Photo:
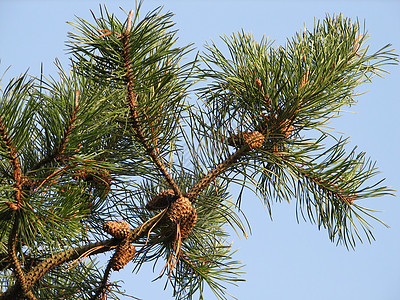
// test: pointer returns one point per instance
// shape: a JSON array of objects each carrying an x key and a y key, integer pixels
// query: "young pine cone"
[
  {"x": 118, "y": 229},
  {"x": 286, "y": 128},
  {"x": 100, "y": 178}
]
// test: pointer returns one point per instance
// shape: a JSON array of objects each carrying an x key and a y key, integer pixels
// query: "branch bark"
[
  {"x": 19, "y": 274},
  {"x": 12, "y": 238},
  {"x": 195, "y": 191}
]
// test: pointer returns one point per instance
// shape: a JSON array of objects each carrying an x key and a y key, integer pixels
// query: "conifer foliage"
[{"x": 116, "y": 156}]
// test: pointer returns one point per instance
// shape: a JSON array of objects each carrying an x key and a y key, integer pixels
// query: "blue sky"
[{"x": 284, "y": 259}]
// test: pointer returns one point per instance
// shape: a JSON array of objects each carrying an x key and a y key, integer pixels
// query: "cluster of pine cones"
[
  {"x": 267, "y": 124},
  {"x": 180, "y": 213},
  {"x": 125, "y": 251},
  {"x": 177, "y": 223}
]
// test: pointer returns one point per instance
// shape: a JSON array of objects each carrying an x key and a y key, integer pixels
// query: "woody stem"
[
  {"x": 133, "y": 108},
  {"x": 215, "y": 172},
  {"x": 21, "y": 279}
]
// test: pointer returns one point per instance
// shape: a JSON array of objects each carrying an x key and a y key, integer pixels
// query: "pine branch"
[
  {"x": 17, "y": 176},
  {"x": 14, "y": 161},
  {"x": 101, "y": 290},
  {"x": 65, "y": 256},
  {"x": 56, "y": 155},
  {"x": 204, "y": 182},
  {"x": 46, "y": 265},
  {"x": 268, "y": 94},
  {"x": 55, "y": 260},
  {"x": 133, "y": 108},
  {"x": 21, "y": 279},
  {"x": 326, "y": 187}
]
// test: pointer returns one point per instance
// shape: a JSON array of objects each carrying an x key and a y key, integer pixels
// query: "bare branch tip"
[
  {"x": 76, "y": 99},
  {"x": 129, "y": 23}
]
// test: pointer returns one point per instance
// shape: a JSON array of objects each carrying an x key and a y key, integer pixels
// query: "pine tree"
[{"x": 116, "y": 156}]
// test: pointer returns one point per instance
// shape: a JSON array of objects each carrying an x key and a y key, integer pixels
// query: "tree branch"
[
  {"x": 64, "y": 140},
  {"x": 214, "y": 173},
  {"x": 55, "y": 260},
  {"x": 326, "y": 186},
  {"x": 133, "y": 108},
  {"x": 19, "y": 274},
  {"x": 102, "y": 288},
  {"x": 14, "y": 161},
  {"x": 51, "y": 262},
  {"x": 12, "y": 238}
]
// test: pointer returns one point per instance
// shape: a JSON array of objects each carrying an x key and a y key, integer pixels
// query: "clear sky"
[{"x": 284, "y": 260}]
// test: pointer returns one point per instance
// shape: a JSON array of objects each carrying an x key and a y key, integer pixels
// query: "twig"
[
  {"x": 101, "y": 289},
  {"x": 14, "y": 161},
  {"x": 82, "y": 257},
  {"x": 147, "y": 226},
  {"x": 324, "y": 185},
  {"x": 52, "y": 174},
  {"x": 217, "y": 170},
  {"x": 133, "y": 108},
  {"x": 56, "y": 155},
  {"x": 129, "y": 23}
]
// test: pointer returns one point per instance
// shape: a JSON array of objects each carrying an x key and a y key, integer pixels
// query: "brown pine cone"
[
  {"x": 118, "y": 229},
  {"x": 161, "y": 200},
  {"x": 124, "y": 253},
  {"x": 183, "y": 213},
  {"x": 179, "y": 209},
  {"x": 254, "y": 139},
  {"x": 187, "y": 224}
]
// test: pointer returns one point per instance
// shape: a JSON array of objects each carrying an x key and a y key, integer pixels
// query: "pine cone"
[
  {"x": 161, "y": 200},
  {"x": 100, "y": 177},
  {"x": 27, "y": 184},
  {"x": 180, "y": 212},
  {"x": 258, "y": 83},
  {"x": 11, "y": 205},
  {"x": 124, "y": 253},
  {"x": 179, "y": 209},
  {"x": 187, "y": 224},
  {"x": 118, "y": 229},
  {"x": 286, "y": 128},
  {"x": 254, "y": 139}
]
